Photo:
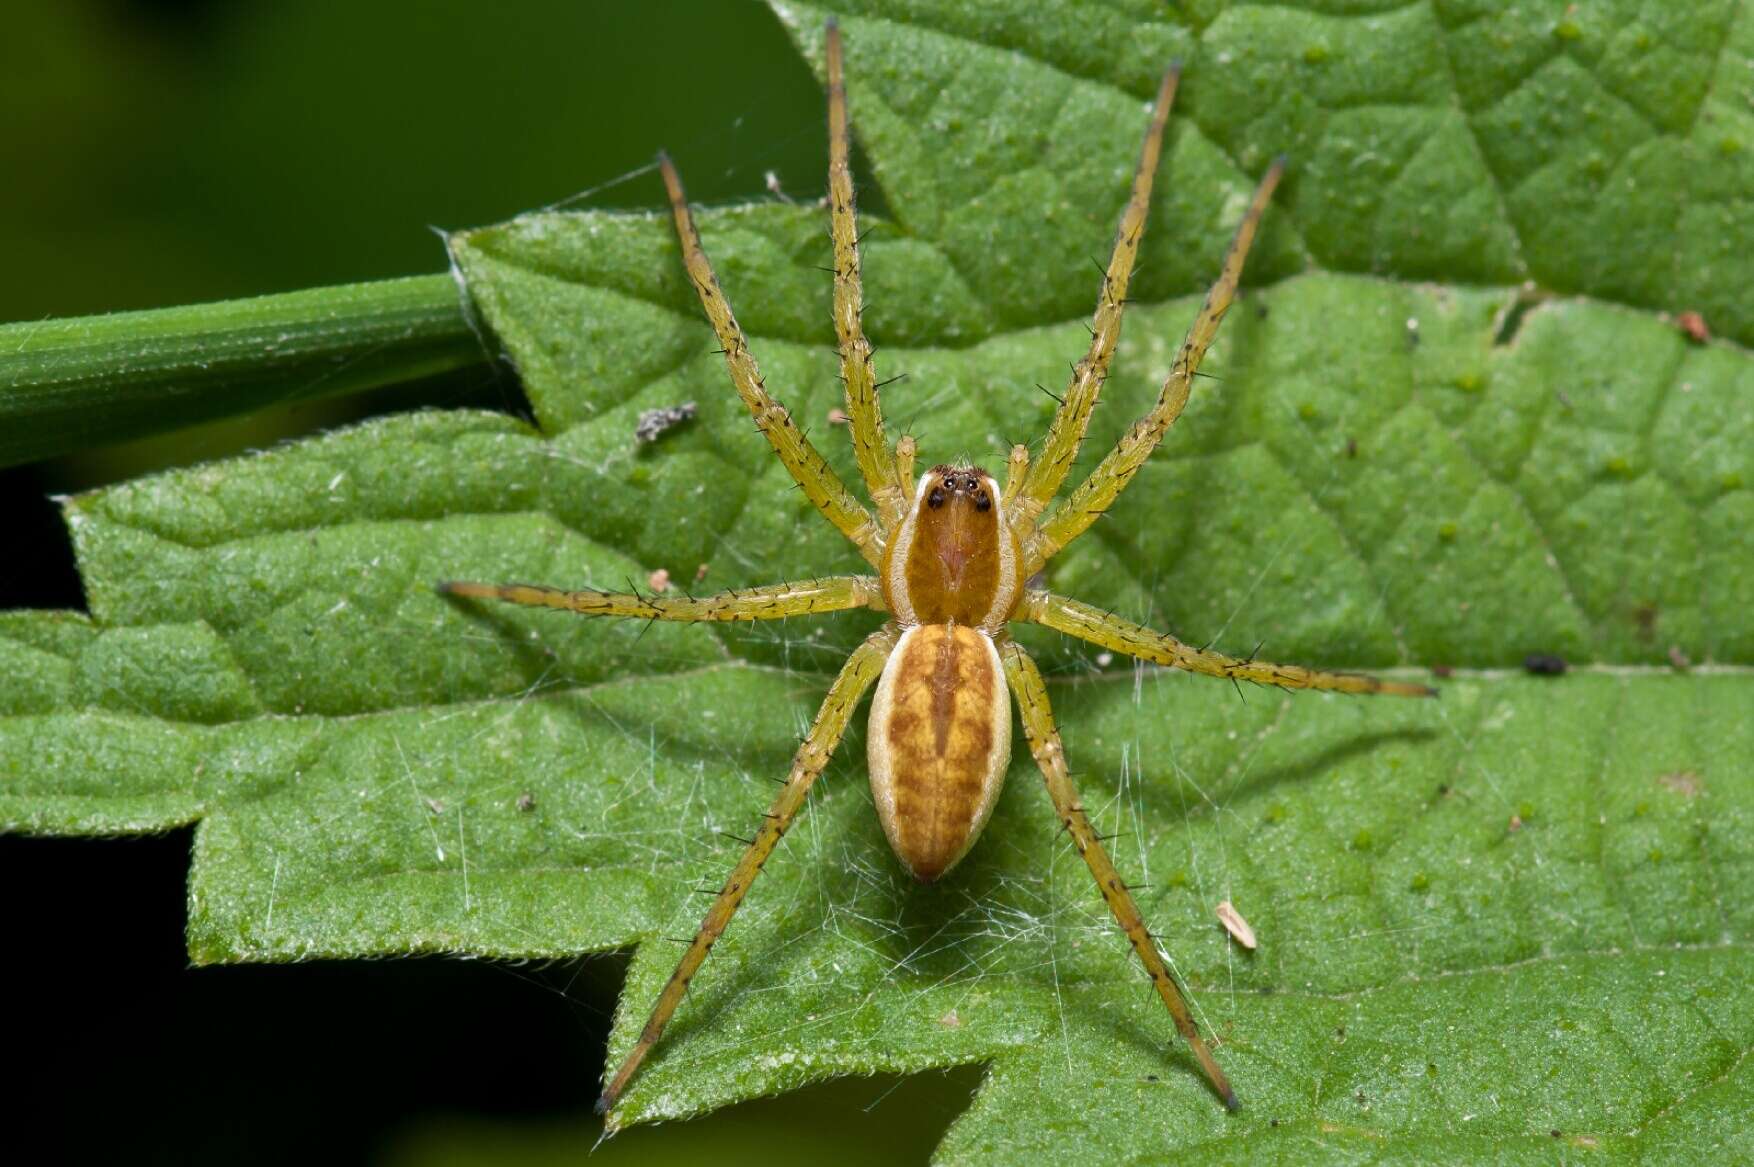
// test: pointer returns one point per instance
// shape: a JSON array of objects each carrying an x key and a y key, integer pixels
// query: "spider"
[{"x": 952, "y": 555}]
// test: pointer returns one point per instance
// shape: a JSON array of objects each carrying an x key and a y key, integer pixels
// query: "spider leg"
[
  {"x": 1098, "y": 492},
  {"x": 772, "y": 602},
  {"x": 1072, "y": 418},
  {"x": 861, "y": 669},
  {"x": 1044, "y": 744},
  {"x": 1110, "y": 631},
  {"x": 870, "y": 446},
  {"x": 808, "y": 468}
]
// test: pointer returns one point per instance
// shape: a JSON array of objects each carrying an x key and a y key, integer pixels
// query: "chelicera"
[{"x": 951, "y": 556}]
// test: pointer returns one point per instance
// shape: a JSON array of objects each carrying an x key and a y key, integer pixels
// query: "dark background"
[{"x": 158, "y": 153}]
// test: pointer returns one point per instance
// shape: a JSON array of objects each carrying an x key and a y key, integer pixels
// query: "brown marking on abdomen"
[{"x": 939, "y": 742}]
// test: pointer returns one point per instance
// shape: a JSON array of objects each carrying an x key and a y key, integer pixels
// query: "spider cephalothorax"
[{"x": 952, "y": 557}]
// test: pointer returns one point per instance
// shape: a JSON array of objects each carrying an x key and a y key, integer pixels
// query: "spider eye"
[
  {"x": 936, "y": 498},
  {"x": 982, "y": 502}
]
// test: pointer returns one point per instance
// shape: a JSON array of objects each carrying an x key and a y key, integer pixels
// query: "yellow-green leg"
[
  {"x": 1110, "y": 631},
  {"x": 1044, "y": 744},
  {"x": 1098, "y": 492},
  {"x": 1066, "y": 434},
  {"x": 870, "y": 446},
  {"x": 857, "y": 675},
  {"x": 815, "y": 476},
  {"x": 772, "y": 602}
]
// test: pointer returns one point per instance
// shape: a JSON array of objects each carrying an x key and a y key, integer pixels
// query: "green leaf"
[{"x": 1514, "y": 923}]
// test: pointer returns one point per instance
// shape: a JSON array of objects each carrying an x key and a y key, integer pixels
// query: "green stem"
[{"x": 72, "y": 384}]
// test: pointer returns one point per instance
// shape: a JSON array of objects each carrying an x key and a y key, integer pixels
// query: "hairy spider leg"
[
  {"x": 835, "y": 593},
  {"x": 870, "y": 447},
  {"x": 1050, "y": 756},
  {"x": 1075, "y": 618},
  {"x": 1105, "y": 483},
  {"x": 1066, "y": 433},
  {"x": 857, "y": 675},
  {"x": 808, "y": 468}
]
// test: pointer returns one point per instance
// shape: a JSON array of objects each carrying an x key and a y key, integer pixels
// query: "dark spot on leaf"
[{"x": 1544, "y": 664}]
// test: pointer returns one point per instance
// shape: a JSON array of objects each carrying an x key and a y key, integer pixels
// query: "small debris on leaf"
[
  {"x": 1442, "y": 671},
  {"x": 700, "y": 573},
  {"x": 1682, "y": 782},
  {"x": 1516, "y": 824},
  {"x": 659, "y": 580},
  {"x": 772, "y": 180},
  {"x": 1544, "y": 664},
  {"x": 1694, "y": 326},
  {"x": 1235, "y": 925},
  {"x": 838, "y": 416},
  {"x": 1679, "y": 659},
  {"x": 526, "y": 802},
  {"x": 655, "y": 423}
]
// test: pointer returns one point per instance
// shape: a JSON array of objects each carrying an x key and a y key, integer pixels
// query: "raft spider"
[{"x": 951, "y": 557}]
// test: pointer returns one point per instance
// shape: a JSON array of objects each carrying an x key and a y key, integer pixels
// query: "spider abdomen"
[{"x": 939, "y": 742}]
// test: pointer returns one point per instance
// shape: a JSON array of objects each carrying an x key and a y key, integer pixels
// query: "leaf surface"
[{"x": 1513, "y": 923}]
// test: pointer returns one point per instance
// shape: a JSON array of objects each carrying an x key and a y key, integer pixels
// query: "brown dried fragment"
[
  {"x": 655, "y": 423},
  {"x": 1235, "y": 925},
  {"x": 1679, "y": 659},
  {"x": 1682, "y": 782},
  {"x": 1693, "y": 326}
]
